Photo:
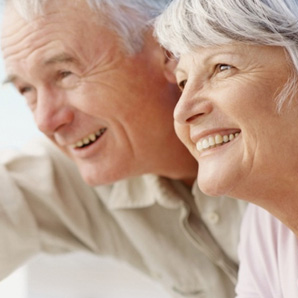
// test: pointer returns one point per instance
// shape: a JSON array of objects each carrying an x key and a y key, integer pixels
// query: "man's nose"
[
  {"x": 191, "y": 106},
  {"x": 52, "y": 111}
]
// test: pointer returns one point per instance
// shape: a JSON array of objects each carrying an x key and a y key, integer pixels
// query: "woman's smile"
[{"x": 213, "y": 141}]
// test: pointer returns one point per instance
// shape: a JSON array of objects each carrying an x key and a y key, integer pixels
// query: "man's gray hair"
[
  {"x": 188, "y": 24},
  {"x": 128, "y": 18}
]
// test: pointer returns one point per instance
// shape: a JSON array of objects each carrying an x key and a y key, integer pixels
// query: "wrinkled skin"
[
  {"x": 232, "y": 89},
  {"x": 78, "y": 80}
]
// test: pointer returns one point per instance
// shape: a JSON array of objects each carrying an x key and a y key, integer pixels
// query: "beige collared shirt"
[{"x": 181, "y": 238}]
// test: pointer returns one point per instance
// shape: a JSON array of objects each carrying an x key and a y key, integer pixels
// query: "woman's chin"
[{"x": 214, "y": 187}]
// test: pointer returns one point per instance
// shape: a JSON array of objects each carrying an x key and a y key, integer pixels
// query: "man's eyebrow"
[
  {"x": 10, "y": 79},
  {"x": 60, "y": 58}
]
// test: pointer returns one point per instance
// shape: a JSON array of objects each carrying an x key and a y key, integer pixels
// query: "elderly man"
[{"x": 102, "y": 90}]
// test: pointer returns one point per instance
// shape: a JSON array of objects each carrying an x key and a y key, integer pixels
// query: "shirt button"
[{"x": 213, "y": 217}]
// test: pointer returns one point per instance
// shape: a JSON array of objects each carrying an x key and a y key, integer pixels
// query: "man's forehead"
[
  {"x": 45, "y": 43},
  {"x": 29, "y": 9},
  {"x": 57, "y": 58},
  {"x": 71, "y": 10},
  {"x": 24, "y": 38}
]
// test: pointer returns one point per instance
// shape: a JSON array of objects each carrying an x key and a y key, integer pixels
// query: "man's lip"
[
  {"x": 89, "y": 139},
  {"x": 89, "y": 151}
]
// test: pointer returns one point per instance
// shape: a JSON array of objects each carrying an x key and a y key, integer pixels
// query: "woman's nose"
[{"x": 191, "y": 106}]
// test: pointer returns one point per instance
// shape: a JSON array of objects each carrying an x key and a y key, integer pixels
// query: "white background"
[{"x": 72, "y": 276}]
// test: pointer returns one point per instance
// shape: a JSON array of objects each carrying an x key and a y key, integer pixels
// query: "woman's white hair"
[
  {"x": 128, "y": 18},
  {"x": 187, "y": 24}
]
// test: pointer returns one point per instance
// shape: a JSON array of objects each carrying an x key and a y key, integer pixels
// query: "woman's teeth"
[
  {"x": 89, "y": 139},
  {"x": 215, "y": 141}
]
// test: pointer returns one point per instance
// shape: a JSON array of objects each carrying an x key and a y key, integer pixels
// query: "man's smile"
[{"x": 91, "y": 138}]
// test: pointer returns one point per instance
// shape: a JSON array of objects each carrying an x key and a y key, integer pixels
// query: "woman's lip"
[
  {"x": 198, "y": 136},
  {"x": 211, "y": 142}
]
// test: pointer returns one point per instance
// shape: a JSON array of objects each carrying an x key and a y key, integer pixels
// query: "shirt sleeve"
[{"x": 42, "y": 200}]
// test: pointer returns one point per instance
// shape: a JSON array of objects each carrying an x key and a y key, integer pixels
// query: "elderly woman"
[{"x": 238, "y": 115}]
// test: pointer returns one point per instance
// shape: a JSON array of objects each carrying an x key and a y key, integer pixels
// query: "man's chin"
[{"x": 93, "y": 177}]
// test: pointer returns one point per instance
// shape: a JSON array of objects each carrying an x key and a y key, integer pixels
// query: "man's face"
[{"x": 111, "y": 113}]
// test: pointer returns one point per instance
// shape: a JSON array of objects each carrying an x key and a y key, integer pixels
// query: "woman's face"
[{"x": 227, "y": 117}]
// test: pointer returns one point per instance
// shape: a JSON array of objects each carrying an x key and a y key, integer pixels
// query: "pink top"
[{"x": 268, "y": 255}]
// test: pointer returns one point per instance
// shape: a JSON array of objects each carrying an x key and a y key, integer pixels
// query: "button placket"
[{"x": 213, "y": 217}]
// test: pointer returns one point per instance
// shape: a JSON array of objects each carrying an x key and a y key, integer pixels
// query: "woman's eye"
[
  {"x": 182, "y": 84},
  {"x": 223, "y": 70},
  {"x": 223, "y": 67}
]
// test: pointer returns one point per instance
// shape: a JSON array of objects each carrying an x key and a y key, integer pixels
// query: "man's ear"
[{"x": 170, "y": 63}]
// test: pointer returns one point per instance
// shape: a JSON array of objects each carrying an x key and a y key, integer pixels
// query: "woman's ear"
[{"x": 170, "y": 63}]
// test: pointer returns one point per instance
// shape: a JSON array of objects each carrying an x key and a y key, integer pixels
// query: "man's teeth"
[
  {"x": 214, "y": 141},
  {"x": 89, "y": 139}
]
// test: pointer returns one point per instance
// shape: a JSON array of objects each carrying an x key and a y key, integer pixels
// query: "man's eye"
[
  {"x": 29, "y": 93},
  {"x": 182, "y": 84},
  {"x": 64, "y": 74},
  {"x": 67, "y": 79},
  {"x": 24, "y": 90}
]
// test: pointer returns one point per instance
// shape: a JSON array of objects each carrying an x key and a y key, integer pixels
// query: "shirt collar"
[{"x": 144, "y": 191}]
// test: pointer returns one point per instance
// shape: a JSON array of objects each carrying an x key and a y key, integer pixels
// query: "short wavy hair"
[
  {"x": 187, "y": 24},
  {"x": 128, "y": 18}
]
